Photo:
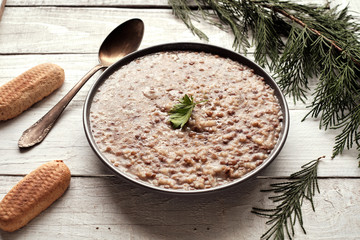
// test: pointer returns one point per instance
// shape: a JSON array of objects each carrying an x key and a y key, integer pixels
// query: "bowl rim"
[{"x": 196, "y": 47}]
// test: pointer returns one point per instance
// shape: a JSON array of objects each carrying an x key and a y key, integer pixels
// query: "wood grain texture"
[
  {"x": 108, "y": 208},
  {"x": 119, "y": 3},
  {"x": 62, "y": 30},
  {"x": 101, "y": 206}
]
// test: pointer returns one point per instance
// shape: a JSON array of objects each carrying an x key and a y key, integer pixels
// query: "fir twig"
[
  {"x": 290, "y": 196},
  {"x": 297, "y": 42},
  {"x": 316, "y": 32},
  {"x": 183, "y": 11}
]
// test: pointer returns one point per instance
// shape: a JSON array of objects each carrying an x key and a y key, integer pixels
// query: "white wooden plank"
[
  {"x": 75, "y": 66},
  {"x": 88, "y": 3},
  {"x": 53, "y": 29},
  {"x": 67, "y": 139},
  {"x": 108, "y": 208},
  {"x": 133, "y": 3},
  {"x": 81, "y": 30}
]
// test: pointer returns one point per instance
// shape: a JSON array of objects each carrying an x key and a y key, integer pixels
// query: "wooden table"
[{"x": 99, "y": 205}]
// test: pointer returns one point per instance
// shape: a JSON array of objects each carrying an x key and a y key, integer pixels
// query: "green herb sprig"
[
  {"x": 297, "y": 42},
  {"x": 181, "y": 112},
  {"x": 290, "y": 196}
]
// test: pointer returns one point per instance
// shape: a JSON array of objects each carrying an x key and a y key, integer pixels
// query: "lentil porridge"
[{"x": 227, "y": 136}]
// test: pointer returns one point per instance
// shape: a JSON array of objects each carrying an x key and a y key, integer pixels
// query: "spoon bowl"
[
  {"x": 123, "y": 40},
  {"x": 130, "y": 33}
]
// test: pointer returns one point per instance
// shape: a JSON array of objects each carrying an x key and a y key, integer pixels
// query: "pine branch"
[
  {"x": 183, "y": 11},
  {"x": 290, "y": 196},
  {"x": 298, "y": 42},
  {"x": 316, "y": 32}
]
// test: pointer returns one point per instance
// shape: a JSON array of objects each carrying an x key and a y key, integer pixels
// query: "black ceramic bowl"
[{"x": 196, "y": 47}]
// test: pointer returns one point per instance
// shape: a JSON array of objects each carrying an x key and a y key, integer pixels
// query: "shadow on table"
[
  {"x": 109, "y": 208},
  {"x": 225, "y": 214}
]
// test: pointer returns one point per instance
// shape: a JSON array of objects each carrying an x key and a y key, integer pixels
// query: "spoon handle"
[
  {"x": 2, "y": 7},
  {"x": 38, "y": 131}
]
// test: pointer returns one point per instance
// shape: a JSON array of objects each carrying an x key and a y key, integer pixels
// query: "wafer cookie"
[
  {"x": 33, "y": 194},
  {"x": 28, "y": 88}
]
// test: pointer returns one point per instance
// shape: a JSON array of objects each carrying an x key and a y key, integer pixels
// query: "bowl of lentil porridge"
[{"x": 237, "y": 129}]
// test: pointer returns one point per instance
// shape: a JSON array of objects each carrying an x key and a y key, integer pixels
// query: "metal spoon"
[{"x": 123, "y": 40}]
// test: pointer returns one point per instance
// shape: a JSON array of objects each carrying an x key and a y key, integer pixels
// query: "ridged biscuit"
[
  {"x": 30, "y": 87},
  {"x": 33, "y": 194}
]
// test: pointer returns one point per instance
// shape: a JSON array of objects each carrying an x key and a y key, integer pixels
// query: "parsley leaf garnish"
[{"x": 181, "y": 112}]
